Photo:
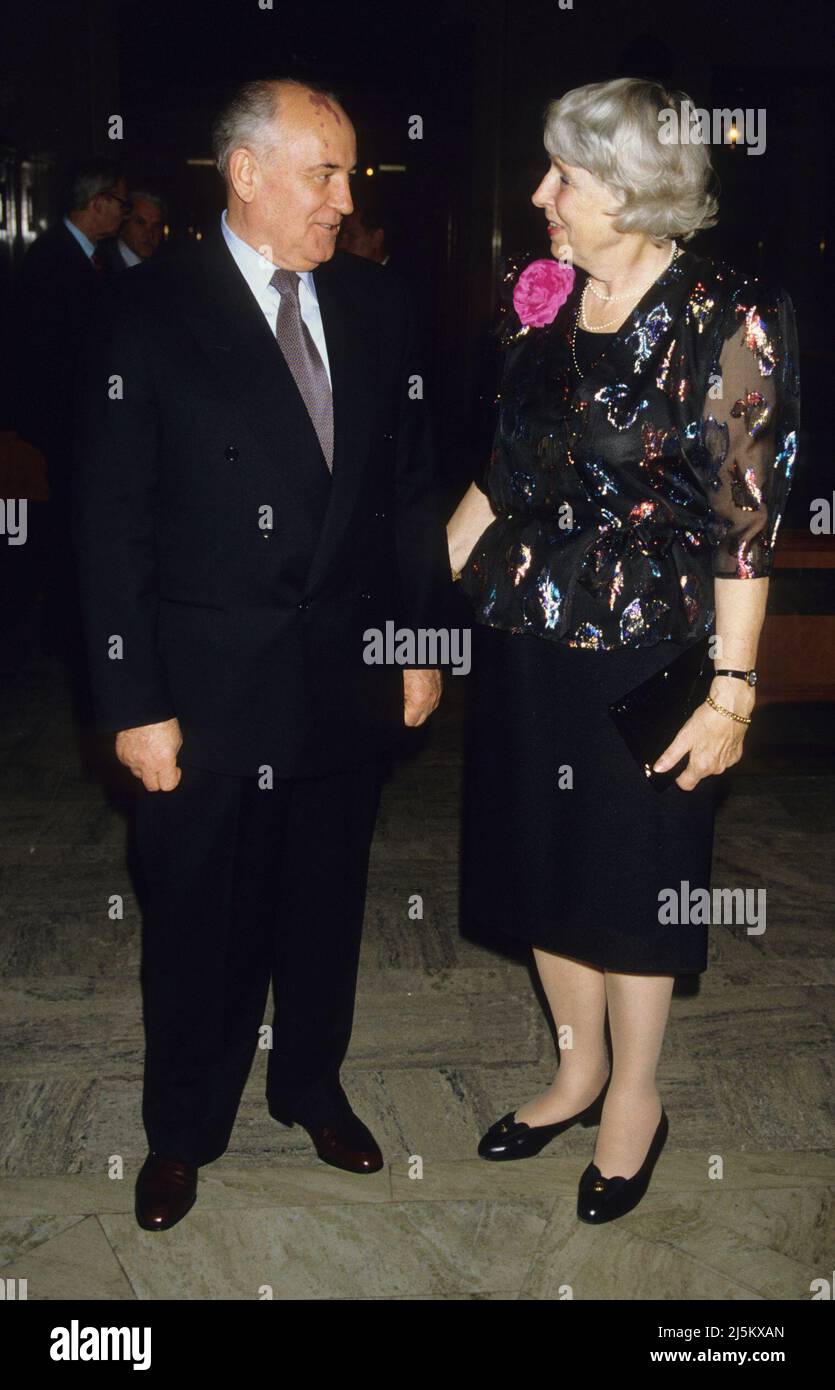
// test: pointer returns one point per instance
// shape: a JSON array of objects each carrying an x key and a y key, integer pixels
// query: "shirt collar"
[
  {"x": 255, "y": 268},
  {"x": 128, "y": 255},
  {"x": 87, "y": 246}
]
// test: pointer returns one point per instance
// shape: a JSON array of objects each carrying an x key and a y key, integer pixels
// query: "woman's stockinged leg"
[
  {"x": 576, "y": 993},
  {"x": 639, "y": 1006}
]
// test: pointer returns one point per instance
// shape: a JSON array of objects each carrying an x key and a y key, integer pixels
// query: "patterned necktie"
[{"x": 304, "y": 360}]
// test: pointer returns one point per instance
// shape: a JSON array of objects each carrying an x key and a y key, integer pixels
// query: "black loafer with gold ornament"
[
  {"x": 510, "y": 1138},
  {"x": 602, "y": 1199}
]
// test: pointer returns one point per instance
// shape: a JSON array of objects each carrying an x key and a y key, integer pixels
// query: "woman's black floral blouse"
[{"x": 619, "y": 499}]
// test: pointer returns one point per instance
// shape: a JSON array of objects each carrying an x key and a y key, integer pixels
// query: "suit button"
[
  {"x": 304, "y": 605},
  {"x": 231, "y": 454}
]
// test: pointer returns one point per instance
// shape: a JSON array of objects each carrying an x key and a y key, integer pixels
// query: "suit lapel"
[
  {"x": 352, "y": 341},
  {"x": 231, "y": 329},
  {"x": 251, "y": 369}
]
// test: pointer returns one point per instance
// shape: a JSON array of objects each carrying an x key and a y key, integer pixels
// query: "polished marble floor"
[{"x": 447, "y": 1037}]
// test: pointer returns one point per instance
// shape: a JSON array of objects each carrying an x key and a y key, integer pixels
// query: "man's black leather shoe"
[
  {"x": 510, "y": 1138},
  {"x": 346, "y": 1143},
  {"x": 340, "y": 1137},
  {"x": 602, "y": 1199},
  {"x": 165, "y": 1190}
]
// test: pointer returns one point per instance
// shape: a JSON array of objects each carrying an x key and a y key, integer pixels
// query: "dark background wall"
[{"x": 479, "y": 75}]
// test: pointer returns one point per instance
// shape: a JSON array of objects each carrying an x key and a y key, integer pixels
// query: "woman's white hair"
[{"x": 612, "y": 129}]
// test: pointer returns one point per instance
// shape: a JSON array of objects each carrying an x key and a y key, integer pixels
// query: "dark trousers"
[{"x": 243, "y": 885}]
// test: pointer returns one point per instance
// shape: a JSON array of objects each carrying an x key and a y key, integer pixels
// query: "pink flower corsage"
[{"x": 541, "y": 289}]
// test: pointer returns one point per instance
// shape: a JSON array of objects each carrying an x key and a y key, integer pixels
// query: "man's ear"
[{"x": 243, "y": 173}]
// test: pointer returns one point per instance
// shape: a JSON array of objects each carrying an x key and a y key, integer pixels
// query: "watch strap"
[{"x": 750, "y": 677}]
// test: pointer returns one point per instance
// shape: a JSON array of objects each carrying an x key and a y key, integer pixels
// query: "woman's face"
[{"x": 575, "y": 203}]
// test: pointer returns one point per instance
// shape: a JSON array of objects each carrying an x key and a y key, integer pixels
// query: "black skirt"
[{"x": 565, "y": 844}]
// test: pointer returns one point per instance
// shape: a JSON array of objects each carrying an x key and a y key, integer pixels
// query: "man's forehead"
[
  {"x": 315, "y": 149},
  {"x": 323, "y": 106},
  {"x": 300, "y": 102},
  {"x": 315, "y": 124}
]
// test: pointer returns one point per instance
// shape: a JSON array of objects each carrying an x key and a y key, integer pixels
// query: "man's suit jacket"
[
  {"x": 59, "y": 287},
  {"x": 214, "y": 544},
  {"x": 111, "y": 256}
]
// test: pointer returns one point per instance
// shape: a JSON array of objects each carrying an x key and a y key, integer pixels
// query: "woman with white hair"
[{"x": 645, "y": 436}]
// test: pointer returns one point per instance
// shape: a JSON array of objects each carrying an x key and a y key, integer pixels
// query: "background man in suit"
[
  {"x": 363, "y": 231},
  {"x": 139, "y": 235},
  {"x": 61, "y": 278},
  {"x": 58, "y": 286},
  {"x": 256, "y": 492}
]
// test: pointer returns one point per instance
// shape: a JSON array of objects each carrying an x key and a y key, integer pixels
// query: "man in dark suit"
[
  {"x": 363, "y": 233},
  {"x": 140, "y": 234},
  {"x": 62, "y": 277},
  {"x": 256, "y": 493}
]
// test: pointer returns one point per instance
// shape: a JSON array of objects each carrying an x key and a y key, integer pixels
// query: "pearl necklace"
[
  {"x": 600, "y": 326},
  {"x": 616, "y": 298}
]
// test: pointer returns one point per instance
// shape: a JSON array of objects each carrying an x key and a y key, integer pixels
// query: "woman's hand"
[
  {"x": 470, "y": 519},
  {"x": 713, "y": 741}
]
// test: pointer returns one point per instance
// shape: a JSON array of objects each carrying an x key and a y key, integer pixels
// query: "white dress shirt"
[
  {"x": 258, "y": 271},
  {"x": 87, "y": 246},
  {"x": 128, "y": 256}
]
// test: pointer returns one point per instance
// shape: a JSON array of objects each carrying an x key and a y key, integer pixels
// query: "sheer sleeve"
[{"x": 750, "y": 424}]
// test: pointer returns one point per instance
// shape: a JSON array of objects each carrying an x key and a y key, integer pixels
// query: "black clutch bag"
[{"x": 649, "y": 717}]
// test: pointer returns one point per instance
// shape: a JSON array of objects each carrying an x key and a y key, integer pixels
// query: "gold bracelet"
[{"x": 720, "y": 709}]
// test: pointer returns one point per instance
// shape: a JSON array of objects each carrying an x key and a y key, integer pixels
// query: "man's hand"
[
  {"x": 151, "y": 754},
  {"x": 421, "y": 695}
]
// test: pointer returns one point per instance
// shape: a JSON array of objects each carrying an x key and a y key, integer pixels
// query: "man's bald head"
[{"x": 255, "y": 114}]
